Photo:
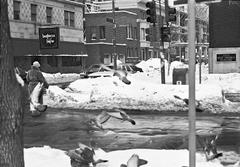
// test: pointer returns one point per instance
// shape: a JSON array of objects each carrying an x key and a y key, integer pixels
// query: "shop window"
[
  {"x": 69, "y": 18},
  {"x": 102, "y": 32},
  {"x": 71, "y": 61},
  {"x": 16, "y": 10},
  {"x": 226, "y": 57},
  {"x": 52, "y": 61},
  {"x": 49, "y": 14},
  {"x": 33, "y": 12}
]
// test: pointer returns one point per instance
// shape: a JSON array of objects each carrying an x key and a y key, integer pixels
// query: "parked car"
[
  {"x": 129, "y": 68},
  {"x": 135, "y": 68},
  {"x": 97, "y": 70}
]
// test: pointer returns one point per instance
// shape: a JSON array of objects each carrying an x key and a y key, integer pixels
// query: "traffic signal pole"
[
  {"x": 192, "y": 109},
  {"x": 114, "y": 35}
]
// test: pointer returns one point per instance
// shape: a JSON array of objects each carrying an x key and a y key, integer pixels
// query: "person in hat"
[{"x": 35, "y": 76}]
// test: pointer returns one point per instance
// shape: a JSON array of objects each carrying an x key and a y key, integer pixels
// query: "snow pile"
[
  {"x": 59, "y": 78},
  {"x": 150, "y": 64},
  {"x": 145, "y": 92},
  {"x": 46, "y": 157}
]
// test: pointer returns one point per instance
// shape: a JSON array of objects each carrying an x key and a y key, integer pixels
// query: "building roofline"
[
  {"x": 121, "y": 11},
  {"x": 75, "y": 3}
]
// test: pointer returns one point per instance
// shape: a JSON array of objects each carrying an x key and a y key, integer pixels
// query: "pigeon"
[
  {"x": 210, "y": 149},
  {"x": 122, "y": 75},
  {"x": 105, "y": 116},
  {"x": 186, "y": 101},
  {"x": 34, "y": 98},
  {"x": 83, "y": 156},
  {"x": 134, "y": 161}
]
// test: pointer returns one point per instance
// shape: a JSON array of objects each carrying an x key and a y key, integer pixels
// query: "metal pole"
[
  {"x": 192, "y": 109},
  {"x": 114, "y": 35},
  {"x": 200, "y": 53}
]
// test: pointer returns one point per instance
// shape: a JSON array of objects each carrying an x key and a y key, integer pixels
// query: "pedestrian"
[{"x": 35, "y": 76}]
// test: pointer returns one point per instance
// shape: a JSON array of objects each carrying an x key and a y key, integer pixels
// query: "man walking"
[{"x": 35, "y": 76}]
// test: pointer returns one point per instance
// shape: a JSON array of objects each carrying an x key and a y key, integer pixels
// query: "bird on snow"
[
  {"x": 134, "y": 161},
  {"x": 105, "y": 116},
  {"x": 34, "y": 98},
  {"x": 186, "y": 101},
  {"x": 83, "y": 156},
  {"x": 210, "y": 149}
]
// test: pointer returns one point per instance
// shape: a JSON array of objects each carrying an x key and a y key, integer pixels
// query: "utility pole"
[
  {"x": 114, "y": 35},
  {"x": 161, "y": 44},
  {"x": 200, "y": 52},
  {"x": 192, "y": 109}
]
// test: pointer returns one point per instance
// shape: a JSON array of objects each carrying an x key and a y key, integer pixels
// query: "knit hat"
[{"x": 36, "y": 64}]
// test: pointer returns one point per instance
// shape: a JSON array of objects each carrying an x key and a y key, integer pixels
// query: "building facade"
[
  {"x": 99, "y": 37},
  {"x": 58, "y": 23},
  {"x": 134, "y": 29},
  {"x": 224, "y": 24}
]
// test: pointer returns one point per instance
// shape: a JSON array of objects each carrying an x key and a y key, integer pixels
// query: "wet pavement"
[{"x": 64, "y": 128}]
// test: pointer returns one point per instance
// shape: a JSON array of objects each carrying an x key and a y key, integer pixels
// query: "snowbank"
[
  {"x": 145, "y": 92},
  {"x": 46, "y": 157}
]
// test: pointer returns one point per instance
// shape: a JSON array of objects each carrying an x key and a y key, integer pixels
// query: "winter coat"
[{"x": 34, "y": 76}]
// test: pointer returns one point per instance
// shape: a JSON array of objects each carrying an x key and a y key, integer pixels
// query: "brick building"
[
  {"x": 99, "y": 35},
  {"x": 64, "y": 17},
  {"x": 133, "y": 46}
]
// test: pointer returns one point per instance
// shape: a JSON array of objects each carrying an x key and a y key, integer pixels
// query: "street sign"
[
  {"x": 110, "y": 20},
  {"x": 49, "y": 38}
]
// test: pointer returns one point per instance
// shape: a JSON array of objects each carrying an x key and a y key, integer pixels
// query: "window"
[
  {"x": 129, "y": 31},
  {"x": 143, "y": 34},
  {"x": 71, "y": 61},
  {"x": 135, "y": 32},
  {"x": 102, "y": 32},
  {"x": 16, "y": 10},
  {"x": 69, "y": 18},
  {"x": 226, "y": 57},
  {"x": 52, "y": 61},
  {"x": 93, "y": 33},
  {"x": 49, "y": 14},
  {"x": 33, "y": 12},
  {"x": 128, "y": 52}
]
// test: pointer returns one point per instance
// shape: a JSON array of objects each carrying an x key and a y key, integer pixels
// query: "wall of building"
[
  {"x": 25, "y": 28},
  {"x": 224, "y": 23},
  {"x": 25, "y": 36},
  {"x": 123, "y": 19},
  {"x": 224, "y": 65}
]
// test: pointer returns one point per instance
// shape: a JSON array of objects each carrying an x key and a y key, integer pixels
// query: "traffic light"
[
  {"x": 171, "y": 15},
  {"x": 165, "y": 34},
  {"x": 148, "y": 34},
  {"x": 151, "y": 12}
]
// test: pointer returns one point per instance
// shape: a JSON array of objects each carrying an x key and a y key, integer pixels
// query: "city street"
[{"x": 64, "y": 128}]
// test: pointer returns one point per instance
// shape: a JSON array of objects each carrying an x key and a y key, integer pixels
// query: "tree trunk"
[{"x": 11, "y": 102}]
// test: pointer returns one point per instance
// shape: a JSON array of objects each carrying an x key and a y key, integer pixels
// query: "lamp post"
[{"x": 114, "y": 35}]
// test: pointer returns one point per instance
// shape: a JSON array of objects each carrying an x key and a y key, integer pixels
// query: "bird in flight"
[
  {"x": 210, "y": 149},
  {"x": 134, "y": 161},
  {"x": 83, "y": 156},
  {"x": 186, "y": 101},
  {"x": 104, "y": 116}
]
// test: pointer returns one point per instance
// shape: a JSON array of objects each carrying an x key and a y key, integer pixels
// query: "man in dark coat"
[{"x": 35, "y": 76}]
